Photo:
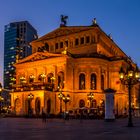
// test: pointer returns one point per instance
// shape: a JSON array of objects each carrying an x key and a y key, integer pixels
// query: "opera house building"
[{"x": 69, "y": 69}]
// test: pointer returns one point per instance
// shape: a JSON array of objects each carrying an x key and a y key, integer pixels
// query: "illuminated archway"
[
  {"x": 49, "y": 106},
  {"x": 37, "y": 106},
  {"x": 17, "y": 106}
]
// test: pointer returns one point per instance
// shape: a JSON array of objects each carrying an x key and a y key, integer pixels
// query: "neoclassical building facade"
[{"x": 73, "y": 60}]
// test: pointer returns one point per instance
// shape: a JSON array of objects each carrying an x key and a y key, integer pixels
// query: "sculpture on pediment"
[{"x": 63, "y": 20}]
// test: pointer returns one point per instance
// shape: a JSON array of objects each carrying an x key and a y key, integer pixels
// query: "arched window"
[
  {"x": 18, "y": 106},
  {"x": 61, "y": 79},
  {"x": 81, "y": 103},
  {"x": 46, "y": 47},
  {"x": 42, "y": 77},
  {"x": 22, "y": 80},
  {"x": 93, "y": 82},
  {"x": 102, "y": 82},
  {"x": 37, "y": 106},
  {"x": 82, "y": 81}
]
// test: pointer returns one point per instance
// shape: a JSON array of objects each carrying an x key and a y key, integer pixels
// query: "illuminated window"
[
  {"x": 31, "y": 78},
  {"x": 42, "y": 77},
  {"x": 82, "y": 81},
  {"x": 12, "y": 48},
  {"x": 93, "y": 81},
  {"x": 22, "y": 80}
]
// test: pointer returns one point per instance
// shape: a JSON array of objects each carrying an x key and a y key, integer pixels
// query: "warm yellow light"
[
  {"x": 130, "y": 73},
  {"x": 53, "y": 78},
  {"x": 32, "y": 76},
  {"x": 68, "y": 97},
  {"x": 60, "y": 95},
  {"x": 43, "y": 75},
  {"x": 137, "y": 75},
  {"x": 1, "y": 98},
  {"x": 121, "y": 75}
]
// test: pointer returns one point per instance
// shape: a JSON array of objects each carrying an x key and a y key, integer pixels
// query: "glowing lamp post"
[
  {"x": 90, "y": 97},
  {"x": 60, "y": 96},
  {"x": 43, "y": 76},
  {"x": 66, "y": 99},
  {"x": 129, "y": 78},
  {"x": 52, "y": 82},
  {"x": 30, "y": 97}
]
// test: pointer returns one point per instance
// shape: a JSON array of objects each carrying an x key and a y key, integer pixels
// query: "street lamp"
[
  {"x": 60, "y": 96},
  {"x": 90, "y": 97},
  {"x": 43, "y": 76},
  {"x": 129, "y": 77},
  {"x": 30, "y": 97},
  {"x": 66, "y": 99}
]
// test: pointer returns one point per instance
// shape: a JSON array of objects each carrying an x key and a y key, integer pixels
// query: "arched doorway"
[
  {"x": 26, "y": 106},
  {"x": 49, "y": 106},
  {"x": 81, "y": 103},
  {"x": 37, "y": 106},
  {"x": 94, "y": 103},
  {"x": 17, "y": 106}
]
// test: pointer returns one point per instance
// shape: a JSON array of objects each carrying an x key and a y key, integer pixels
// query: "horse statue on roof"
[{"x": 64, "y": 20}]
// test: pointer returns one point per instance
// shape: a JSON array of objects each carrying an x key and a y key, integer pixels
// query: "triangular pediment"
[
  {"x": 38, "y": 56},
  {"x": 62, "y": 31}
]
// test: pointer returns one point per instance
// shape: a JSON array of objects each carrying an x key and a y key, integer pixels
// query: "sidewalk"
[{"x": 56, "y": 129}]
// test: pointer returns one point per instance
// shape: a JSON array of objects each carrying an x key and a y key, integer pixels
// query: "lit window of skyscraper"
[{"x": 17, "y": 37}]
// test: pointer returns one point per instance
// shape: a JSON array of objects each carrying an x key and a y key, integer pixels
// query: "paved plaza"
[{"x": 59, "y": 129}]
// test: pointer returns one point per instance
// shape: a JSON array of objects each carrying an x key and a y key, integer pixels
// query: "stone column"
[{"x": 109, "y": 104}]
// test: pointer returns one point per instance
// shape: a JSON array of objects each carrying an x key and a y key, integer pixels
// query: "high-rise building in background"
[{"x": 17, "y": 37}]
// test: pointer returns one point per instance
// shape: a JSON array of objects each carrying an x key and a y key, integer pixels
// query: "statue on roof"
[
  {"x": 94, "y": 22},
  {"x": 63, "y": 20}
]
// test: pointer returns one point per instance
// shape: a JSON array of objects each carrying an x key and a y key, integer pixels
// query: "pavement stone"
[{"x": 56, "y": 129}]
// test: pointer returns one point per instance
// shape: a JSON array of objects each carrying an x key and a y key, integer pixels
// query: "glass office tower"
[{"x": 17, "y": 37}]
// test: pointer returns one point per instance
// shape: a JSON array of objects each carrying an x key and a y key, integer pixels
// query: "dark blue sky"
[{"x": 121, "y": 18}]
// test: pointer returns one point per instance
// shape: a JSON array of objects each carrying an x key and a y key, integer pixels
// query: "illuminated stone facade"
[{"x": 78, "y": 60}]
